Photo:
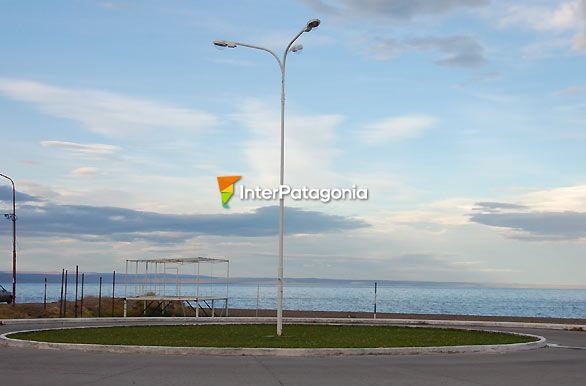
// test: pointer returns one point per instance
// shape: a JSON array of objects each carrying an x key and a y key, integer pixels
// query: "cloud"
[
  {"x": 569, "y": 16},
  {"x": 452, "y": 51},
  {"x": 580, "y": 42},
  {"x": 496, "y": 206},
  {"x": 6, "y": 195},
  {"x": 569, "y": 91},
  {"x": 480, "y": 78},
  {"x": 537, "y": 225},
  {"x": 82, "y": 148},
  {"x": 111, "y": 5},
  {"x": 410, "y": 266},
  {"x": 563, "y": 199},
  {"x": 310, "y": 141},
  {"x": 546, "y": 48},
  {"x": 434, "y": 262},
  {"x": 391, "y": 9},
  {"x": 397, "y": 128},
  {"x": 437, "y": 215},
  {"x": 122, "y": 224},
  {"x": 85, "y": 171},
  {"x": 554, "y": 214},
  {"x": 105, "y": 112}
]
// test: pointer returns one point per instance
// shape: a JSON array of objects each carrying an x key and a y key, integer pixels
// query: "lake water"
[{"x": 565, "y": 303}]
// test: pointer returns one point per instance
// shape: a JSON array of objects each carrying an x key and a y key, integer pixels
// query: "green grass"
[{"x": 295, "y": 336}]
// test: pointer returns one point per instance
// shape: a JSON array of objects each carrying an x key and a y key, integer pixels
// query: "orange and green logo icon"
[{"x": 226, "y": 185}]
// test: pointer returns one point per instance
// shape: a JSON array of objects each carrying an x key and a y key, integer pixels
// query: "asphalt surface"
[{"x": 547, "y": 366}]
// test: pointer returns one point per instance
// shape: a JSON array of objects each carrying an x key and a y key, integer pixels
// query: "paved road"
[{"x": 548, "y": 366}]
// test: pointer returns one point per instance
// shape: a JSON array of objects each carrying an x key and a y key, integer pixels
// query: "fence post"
[
  {"x": 81, "y": 303},
  {"x": 61, "y": 297},
  {"x": 257, "y": 297},
  {"x": 100, "y": 299},
  {"x": 45, "y": 296},
  {"x": 76, "y": 287},
  {"x": 65, "y": 296},
  {"x": 375, "y": 300},
  {"x": 113, "y": 290}
]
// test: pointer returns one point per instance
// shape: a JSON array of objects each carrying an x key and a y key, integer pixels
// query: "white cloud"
[
  {"x": 570, "y": 198},
  {"x": 569, "y": 16},
  {"x": 85, "y": 171},
  {"x": 82, "y": 148},
  {"x": 105, "y": 112},
  {"x": 309, "y": 140},
  {"x": 438, "y": 217},
  {"x": 456, "y": 211},
  {"x": 551, "y": 215},
  {"x": 397, "y": 128}
]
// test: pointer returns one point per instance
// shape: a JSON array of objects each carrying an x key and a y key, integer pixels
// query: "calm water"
[{"x": 566, "y": 303}]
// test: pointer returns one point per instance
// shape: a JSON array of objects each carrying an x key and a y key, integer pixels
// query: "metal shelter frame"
[{"x": 160, "y": 282}]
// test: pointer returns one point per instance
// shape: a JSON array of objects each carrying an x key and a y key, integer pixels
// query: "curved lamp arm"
[
  {"x": 262, "y": 49},
  {"x": 311, "y": 24},
  {"x": 8, "y": 178},
  {"x": 289, "y": 47}
]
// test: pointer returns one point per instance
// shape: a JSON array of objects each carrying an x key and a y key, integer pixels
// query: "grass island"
[{"x": 263, "y": 336}]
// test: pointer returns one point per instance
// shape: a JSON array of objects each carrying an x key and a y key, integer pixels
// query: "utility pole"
[{"x": 13, "y": 218}]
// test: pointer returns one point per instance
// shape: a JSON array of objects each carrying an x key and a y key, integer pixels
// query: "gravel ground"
[{"x": 344, "y": 314}]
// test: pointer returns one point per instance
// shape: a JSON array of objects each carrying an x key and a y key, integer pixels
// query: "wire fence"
[{"x": 101, "y": 291}]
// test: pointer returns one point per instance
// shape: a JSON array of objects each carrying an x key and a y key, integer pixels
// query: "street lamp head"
[
  {"x": 313, "y": 23},
  {"x": 297, "y": 48},
  {"x": 223, "y": 44}
]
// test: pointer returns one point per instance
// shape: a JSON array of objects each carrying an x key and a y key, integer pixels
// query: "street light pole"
[
  {"x": 13, "y": 218},
  {"x": 311, "y": 24}
]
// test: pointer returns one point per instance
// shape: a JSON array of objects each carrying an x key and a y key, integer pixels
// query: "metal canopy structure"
[
  {"x": 179, "y": 260},
  {"x": 189, "y": 281}
]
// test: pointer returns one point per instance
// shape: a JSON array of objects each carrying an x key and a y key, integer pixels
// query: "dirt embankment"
[{"x": 91, "y": 308}]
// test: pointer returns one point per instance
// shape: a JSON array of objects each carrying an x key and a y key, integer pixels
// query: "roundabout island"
[
  {"x": 314, "y": 337},
  {"x": 562, "y": 358}
]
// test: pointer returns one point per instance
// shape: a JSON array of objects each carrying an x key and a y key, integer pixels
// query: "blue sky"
[{"x": 464, "y": 118}]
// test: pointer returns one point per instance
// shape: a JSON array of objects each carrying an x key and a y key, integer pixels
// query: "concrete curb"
[
  {"x": 5, "y": 340},
  {"x": 260, "y": 320}
]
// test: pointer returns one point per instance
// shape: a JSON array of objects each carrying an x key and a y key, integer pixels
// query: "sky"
[{"x": 465, "y": 119}]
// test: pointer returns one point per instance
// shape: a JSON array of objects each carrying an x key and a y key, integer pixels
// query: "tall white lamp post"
[{"x": 290, "y": 48}]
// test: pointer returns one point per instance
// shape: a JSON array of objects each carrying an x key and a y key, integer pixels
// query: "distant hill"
[{"x": 94, "y": 277}]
